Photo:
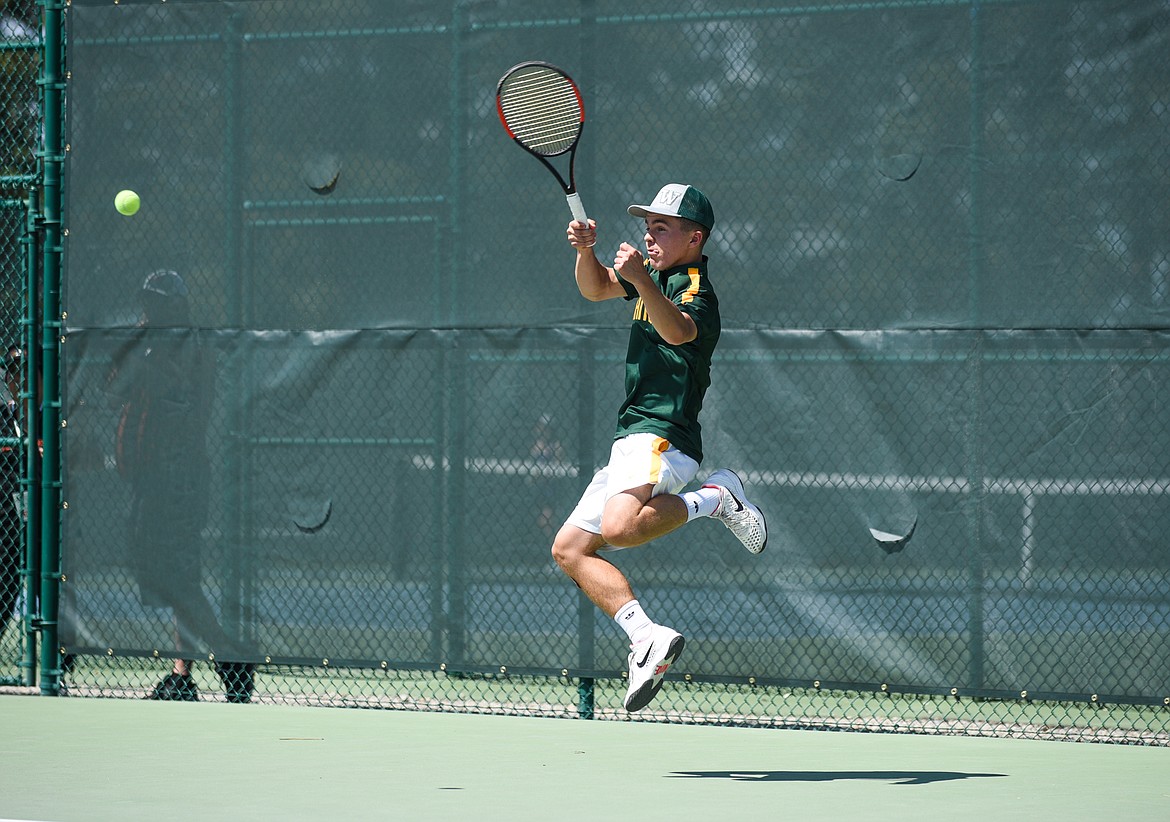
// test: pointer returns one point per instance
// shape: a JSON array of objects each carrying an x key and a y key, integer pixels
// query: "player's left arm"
[{"x": 675, "y": 326}]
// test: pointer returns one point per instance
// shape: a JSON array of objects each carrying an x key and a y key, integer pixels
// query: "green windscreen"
[{"x": 942, "y": 252}]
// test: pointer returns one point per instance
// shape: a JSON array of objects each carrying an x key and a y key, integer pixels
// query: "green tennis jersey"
[{"x": 665, "y": 384}]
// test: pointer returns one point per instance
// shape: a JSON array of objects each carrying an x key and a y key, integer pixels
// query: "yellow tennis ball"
[{"x": 127, "y": 202}]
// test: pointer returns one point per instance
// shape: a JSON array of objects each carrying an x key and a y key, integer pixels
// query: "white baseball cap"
[{"x": 679, "y": 200}]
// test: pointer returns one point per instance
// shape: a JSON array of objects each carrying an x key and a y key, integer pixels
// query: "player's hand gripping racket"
[{"x": 540, "y": 107}]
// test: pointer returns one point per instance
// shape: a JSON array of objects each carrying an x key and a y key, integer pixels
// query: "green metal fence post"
[
  {"x": 976, "y": 459},
  {"x": 52, "y": 96},
  {"x": 30, "y": 414},
  {"x": 586, "y": 399},
  {"x": 585, "y": 697},
  {"x": 455, "y": 360},
  {"x": 585, "y": 458},
  {"x": 239, "y": 451}
]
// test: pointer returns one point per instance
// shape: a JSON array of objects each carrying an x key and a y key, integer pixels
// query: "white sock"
[
  {"x": 634, "y": 621},
  {"x": 702, "y": 503}
]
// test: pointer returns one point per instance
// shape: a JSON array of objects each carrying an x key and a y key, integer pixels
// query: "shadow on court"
[{"x": 897, "y": 777}]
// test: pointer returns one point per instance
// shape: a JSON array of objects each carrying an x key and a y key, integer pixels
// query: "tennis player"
[{"x": 657, "y": 449}]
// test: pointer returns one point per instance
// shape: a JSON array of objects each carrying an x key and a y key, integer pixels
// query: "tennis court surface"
[{"x": 90, "y": 759}]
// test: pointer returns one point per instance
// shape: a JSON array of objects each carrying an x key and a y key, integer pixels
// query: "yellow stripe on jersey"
[
  {"x": 640, "y": 310},
  {"x": 693, "y": 289},
  {"x": 684, "y": 298}
]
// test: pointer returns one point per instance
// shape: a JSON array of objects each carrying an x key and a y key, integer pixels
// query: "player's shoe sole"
[{"x": 648, "y": 662}]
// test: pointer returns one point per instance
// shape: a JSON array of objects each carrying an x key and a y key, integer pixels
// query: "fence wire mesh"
[
  {"x": 19, "y": 105},
  {"x": 335, "y": 472}
]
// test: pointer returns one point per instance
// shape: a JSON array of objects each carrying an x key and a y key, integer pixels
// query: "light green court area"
[{"x": 73, "y": 759}]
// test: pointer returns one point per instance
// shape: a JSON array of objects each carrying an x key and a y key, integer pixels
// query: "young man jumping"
[{"x": 657, "y": 449}]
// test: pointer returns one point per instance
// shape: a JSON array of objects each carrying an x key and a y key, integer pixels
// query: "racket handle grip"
[{"x": 577, "y": 208}]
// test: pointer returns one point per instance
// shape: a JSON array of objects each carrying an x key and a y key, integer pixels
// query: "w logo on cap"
[
  {"x": 679, "y": 200},
  {"x": 670, "y": 195}
]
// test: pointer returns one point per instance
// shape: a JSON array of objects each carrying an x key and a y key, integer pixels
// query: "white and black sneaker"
[
  {"x": 745, "y": 520},
  {"x": 649, "y": 661}
]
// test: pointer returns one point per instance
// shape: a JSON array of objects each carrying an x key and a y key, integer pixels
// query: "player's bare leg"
[
  {"x": 631, "y": 518},
  {"x": 575, "y": 551}
]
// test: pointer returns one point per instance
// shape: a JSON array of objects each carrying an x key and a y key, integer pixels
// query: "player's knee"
[{"x": 565, "y": 552}]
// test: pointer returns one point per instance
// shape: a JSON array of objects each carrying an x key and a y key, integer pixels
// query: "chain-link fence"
[
  {"x": 20, "y": 105},
  {"x": 329, "y": 393}
]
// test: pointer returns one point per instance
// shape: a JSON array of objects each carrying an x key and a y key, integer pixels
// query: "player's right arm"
[{"x": 594, "y": 280}]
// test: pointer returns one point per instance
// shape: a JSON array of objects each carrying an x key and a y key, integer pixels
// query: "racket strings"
[{"x": 542, "y": 111}]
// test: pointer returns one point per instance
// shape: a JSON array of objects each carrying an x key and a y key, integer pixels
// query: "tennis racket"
[{"x": 541, "y": 109}]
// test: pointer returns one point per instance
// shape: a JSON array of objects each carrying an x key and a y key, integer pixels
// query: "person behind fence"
[
  {"x": 164, "y": 381},
  {"x": 547, "y": 454},
  {"x": 11, "y": 494},
  {"x": 657, "y": 447}
]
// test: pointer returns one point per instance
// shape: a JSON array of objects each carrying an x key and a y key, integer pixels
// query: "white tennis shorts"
[{"x": 634, "y": 460}]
